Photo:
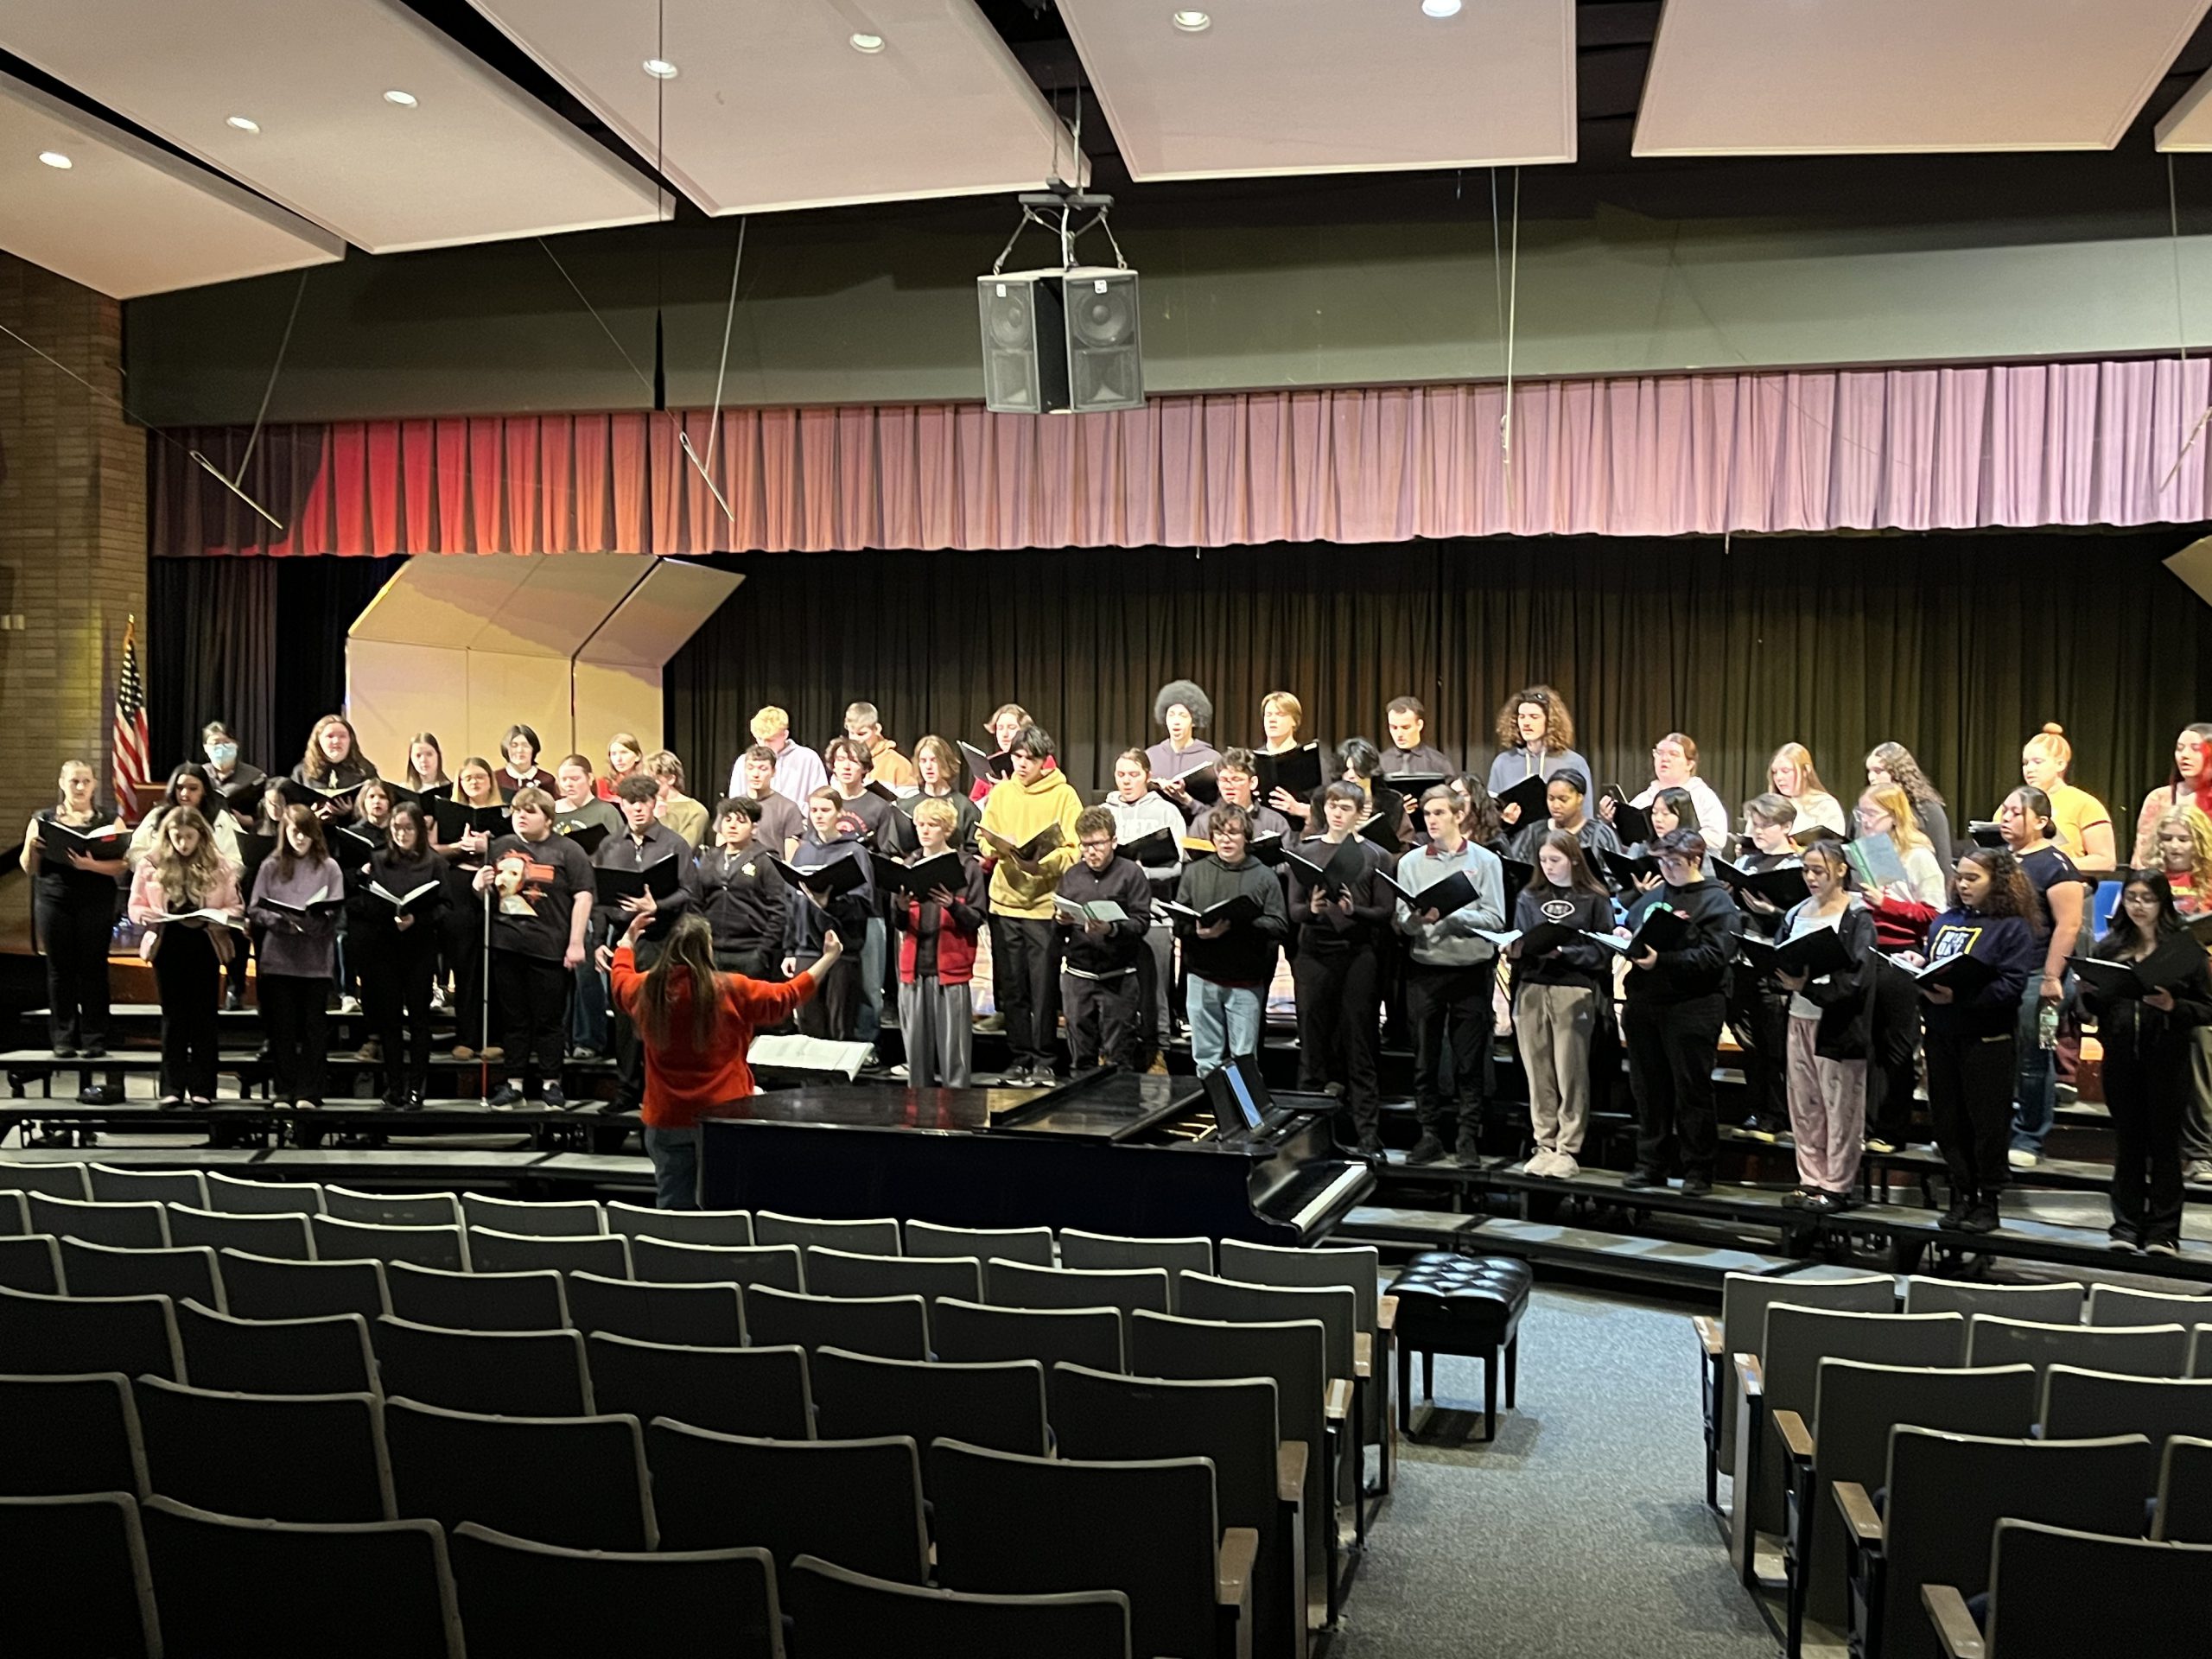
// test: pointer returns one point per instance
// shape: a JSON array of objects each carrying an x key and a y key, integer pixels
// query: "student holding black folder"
[
  {"x": 1143, "y": 820},
  {"x": 297, "y": 898},
  {"x": 1458, "y": 893},
  {"x": 1566, "y": 808},
  {"x": 188, "y": 785},
  {"x": 1562, "y": 994},
  {"x": 395, "y": 935},
  {"x": 1289, "y": 770},
  {"x": 1535, "y": 739},
  {"x": 781, "y": 821},
  {"x": 542, "y": 891},
  {"x": 937, "y": 764},
  {"x": 1231, "y": 959},
  {"x": 236, "y": 785},
  {"x": 581, "y": 814},
  {"x": 1758, "y": 1007},
  {"x": 1237, "y": 776},
  {"x": 1025, "y": 943},
  {"x": 644, "y": 847},
  {"x": 1831, "y": 1021},
  {"x": 1342, "y": 915},
  {"x": 1099, "y": 953},
  {"x": 186, "y": 898},
  {"x": 463, "y": 829},
  {"x": 740, "y": 895},
  {"x": 819, "y": 909},
  {"x": 334, "y": 763},
  {"x": 938, "y": 931},
  {"x": 1970, "y": 1034},
  {"x": 1185, "y": 711},
  {"x": 2148, "y": 1016},
  {"x": 426, "y": 766},
  {"x": 73, "y": 871}
]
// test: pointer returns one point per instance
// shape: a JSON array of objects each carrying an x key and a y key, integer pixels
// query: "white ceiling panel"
[
  {"x": 1285, "y": 86},
  {"x": 474, "y": 159},
  {"x": 773, "y": 107},
  {"x": 2187, "y": 125},
  {"x": 1867, "y": 77},
  {"x": 127, "y": 218}
]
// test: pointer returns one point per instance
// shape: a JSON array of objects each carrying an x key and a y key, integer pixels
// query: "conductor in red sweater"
[{"x": 697, "y": 1025}]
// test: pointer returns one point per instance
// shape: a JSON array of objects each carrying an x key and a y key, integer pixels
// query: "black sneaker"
[
  {"x": 1982, "y": 1218},
  {"x": 95, "y": 1051},
  {"x": 1468, "y": 1149},
  {"x": 1954, "y": 1216},
  {"x": 2163, "y": 1247},
  {"x": 2125, "y": 1239},
  {"x": 554, "y": 1097},
  {"x": 1643, "y": 1180},
  {"x": 1697, "y": 1184},
  {"x": 1427, "y": 1150},
  {"x": 1370, "y": 1144},
  {"x": 236, "y": 1001},
  {"x": 508, "y": 1096},
  {"x": 65, "y": 1050}
]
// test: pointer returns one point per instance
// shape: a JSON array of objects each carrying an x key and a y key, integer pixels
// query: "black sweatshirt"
[
  {"x": 1115, "y": 951},
  {"x": 743, "y": 899},
  {"x": 1372, "y": 904},
  {"x": 1586, "y": 963},
  {"x": 1698, "y": 966}
]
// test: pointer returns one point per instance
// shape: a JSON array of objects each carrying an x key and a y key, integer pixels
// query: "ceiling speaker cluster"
[{"x": 1065, "y": 338}]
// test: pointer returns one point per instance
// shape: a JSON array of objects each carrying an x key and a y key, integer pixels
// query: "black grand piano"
[{"x": 1112, "y": 1151}]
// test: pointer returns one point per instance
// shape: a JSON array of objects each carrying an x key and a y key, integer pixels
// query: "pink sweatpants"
[{"x": 1828, "y": 1111}]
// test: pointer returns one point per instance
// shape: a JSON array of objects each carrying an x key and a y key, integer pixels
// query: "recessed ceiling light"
[
  {"x": 244, "y": 123},
  {"x": 1192, "y": 22},
  {"x": 870, "y": 43},
  {"x": 55, "y": 158},
  {"x": 1441, "y": 7},
  {"x": 405, "y": 100},
  {"x": 659, "y": 68}
]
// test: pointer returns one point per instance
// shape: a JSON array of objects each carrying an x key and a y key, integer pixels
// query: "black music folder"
[
  {"x": 1297, "y": 770},
  {"x": 1528, "y": 795},
  {"x": 660, "y": 878}
]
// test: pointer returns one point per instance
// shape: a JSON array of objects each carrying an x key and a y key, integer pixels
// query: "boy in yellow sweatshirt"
[{"x": 1025, "y": 943}]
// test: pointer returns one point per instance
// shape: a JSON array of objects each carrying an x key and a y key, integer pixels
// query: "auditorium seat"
[
  {"x": 761, "y": 1392},
  {"x": 1032, "y": 1246},
  {"x": 328, "y": 1355},
  {"x": 2136, "y": 1349},
  {"x": 62, "y": 1434},
  {"x": 262, "y": 1287},
  {"x": 1107, "y": 1252},
  {"x": 271, "y": 1589},
  {"x": 2200, "y": 1350},
  {"x": 2112, "y": 1304},
  {"x": 111, "y": 1185},
  {"x": 578, "y": 1482},
  {"x": 889, "y": 1327},
  {"x": 102, "y": 1270},
  {"x": 79, "y": 1585},
  {"x": 392, "y": 1209},
  {"x": 56, "y": 1180},
  {"x": 284, "y": 1238},
  {"x": 860, "y": 1501},
  {"x": 2082, "y": 1405},
  {"x": 975, "y": 1333},
  {"x": 666, "y": 1262},
  {"x": 525, "y": 1600},
  {"x": 504, "y": 1373},
  {"x": 32, "y": 1264},
  {"x": 240, "y": 1198},
  {"x": 2046, "y": 1304},
  {"x": 339, "y": 1239},
  {"x": 1013, "y": 1525},
  {"x": 842, "y": 1273},
  {"x": 681, "y": 1226},
  {"x": 2152, "y": 1600},
  {"x": 862, "y": 1237},
  {"x": 65, "y": 1335},
  {"x": 477, "y": 1301},
  {"x": 2185, "y": 1508},
  {"x": 14, "y": 1215},
  {"x": 288, "y": 1457},
  {"x": 839, "y": 1614},
  {"x": 1359, "y": 1267},
  {"x": 1011, "y": 1284},
  {"x": 1001, "y": 1406},
  {"x": 492, "y": 1251},
  {"x": 685, "y": 1316},
  {"x": 123, "y": 1226},
  {"x": 538, "y": 1218}
]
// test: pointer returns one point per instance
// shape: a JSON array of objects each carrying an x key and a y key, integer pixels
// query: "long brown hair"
[
  {"x": 189, "y": 878},
  {"x": 317, "y": 765},
  {"x": 2011, "y": 893},
  {"x": 1559, "y": 724},
  {"x": 1581, "y": 877},
  {"x": 686, "y": 956},
  {"x": 318, "y": 850}
]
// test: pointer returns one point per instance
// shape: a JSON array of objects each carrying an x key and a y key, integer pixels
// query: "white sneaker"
[
  {"x": 349, "y": 1005},
  {"x": 1543, "y": 1164},
  {"x": 438, "y": 998},
  {"x": 1563, "y": 1166},
  {"x": 2021, "y": 1158}
]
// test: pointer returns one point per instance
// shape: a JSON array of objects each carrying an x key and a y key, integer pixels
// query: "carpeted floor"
[{"x": 1582, "y": 1532}]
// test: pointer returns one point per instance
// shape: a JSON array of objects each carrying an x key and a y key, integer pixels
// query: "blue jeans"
[
  {"x": 587, "y": 1007},
  {"x": 1224, "y": 1022},
  {"x": 675, "y": 1153},
  {"x": 2034, "y": 1084}
]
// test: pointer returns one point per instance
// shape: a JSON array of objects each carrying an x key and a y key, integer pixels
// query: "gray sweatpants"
[{"x": 938, "y": 1022}]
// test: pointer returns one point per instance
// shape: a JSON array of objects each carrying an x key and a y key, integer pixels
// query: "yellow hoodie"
[{"x": 1018, "y": 811}]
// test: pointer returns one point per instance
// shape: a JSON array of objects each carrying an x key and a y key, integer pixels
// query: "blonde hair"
[
  {"x": 1904, "y": 828},
  {"x": 942, "y": 814},
  {"x": 2200, "y": 849},
  {"x": 191, "y": 878},
  {"x": 1283, "y": 702},
  {"x": 2050, "y": 743},
  {"x": 770, "y": 720},
  {"x": 1809, "y": 781}
]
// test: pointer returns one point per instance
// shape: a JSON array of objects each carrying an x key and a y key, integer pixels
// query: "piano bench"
[{"x": 1465, "y": 1304}]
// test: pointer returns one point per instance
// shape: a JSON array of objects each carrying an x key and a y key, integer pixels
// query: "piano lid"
[{"x": 1101, "y": 1105}]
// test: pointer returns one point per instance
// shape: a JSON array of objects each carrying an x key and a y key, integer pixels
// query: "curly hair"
[
  {"x": 2011, "y": 893},
  {"x": 1896, "y": 759},
  {"x": 2199, "y": 829},
  {"x": 1559, "y": 723}
]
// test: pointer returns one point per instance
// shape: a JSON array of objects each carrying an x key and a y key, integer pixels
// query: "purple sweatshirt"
[{"x": 303, "y": 950}]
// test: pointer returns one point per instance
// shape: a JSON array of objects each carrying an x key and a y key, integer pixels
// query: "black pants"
[
  {"x": 531, "y": 994},
  {"x": 1450, "y": 1005},
  {"x": 189, "y": 981},
  {"x": 396, "y": 970},
  {"x": 1026, "y": 980},
  {"x": 1895, "y": 1040},
  {"x": 1671, "y": 1047},
  {"x": 73, "y": 932},
  {"x": 1759, "y": 1013},
  {"x": 834, "y": 1010},
  {"x": 1970, "y": 1097},
  {"x": 1102, "y": 1020},
  {"x": 460, "y": 940},
  {"x": 293, "y": 1014},
  {"x": 1336, "y": 1025},
  {"x": 2148, "y": 1096}
]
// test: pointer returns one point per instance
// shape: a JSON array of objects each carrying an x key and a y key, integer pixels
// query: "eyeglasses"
[{"x": 1097, "y": 846}]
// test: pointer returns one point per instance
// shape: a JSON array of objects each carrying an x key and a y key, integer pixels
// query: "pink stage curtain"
[{"x": 1925, "y": 448}]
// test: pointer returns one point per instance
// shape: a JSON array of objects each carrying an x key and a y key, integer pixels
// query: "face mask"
[{"x": 222, "y": 755}]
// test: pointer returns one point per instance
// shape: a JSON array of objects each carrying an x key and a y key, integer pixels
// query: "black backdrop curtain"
[{"x": 1959, "y": 646}]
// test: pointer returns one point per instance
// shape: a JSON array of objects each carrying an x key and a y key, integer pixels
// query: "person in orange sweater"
[{"x": 697, "y": 1026}]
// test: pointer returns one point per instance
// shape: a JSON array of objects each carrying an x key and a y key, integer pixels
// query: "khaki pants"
[{"x": 1553, "y": 1025}]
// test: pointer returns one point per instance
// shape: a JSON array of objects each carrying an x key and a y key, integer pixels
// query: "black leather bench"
[{"x": 1465, "y": 1305}]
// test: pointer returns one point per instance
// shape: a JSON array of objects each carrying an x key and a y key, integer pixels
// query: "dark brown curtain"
[{"x": 1958, "y": 646}]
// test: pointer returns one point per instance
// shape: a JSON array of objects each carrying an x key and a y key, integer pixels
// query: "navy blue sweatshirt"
[{"x": 2008, "y": 944}]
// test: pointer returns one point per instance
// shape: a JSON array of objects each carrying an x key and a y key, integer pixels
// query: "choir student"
[
  {"x": 190, "y": 785},
  {"x": 352, "y": 848},
  {"x": 1535, "y": 739},
  {"x": 2080, "y": 823},
  {"x": 1970, "y": 1039},
  {"x": 1671, "y": 1015},
  {"x": 1098, "y": 957},
  {"x": 334, "y": 760},
  {"x": 886, "y": 765},
  {"x": 396, "y": 937},
  {"x": 677, "y": 810},
  {"x": 1235, "y": 774},
  {"x": 2191, "y": 784},
  {"x": 625, "y": 754},
  {"x": 697, "y": 1024},
  {"x": 74, "y": 904},
  {"x": 2150, "y": 1042},
  {"x": 740, "y": 895},
  {"x": 815, "y": 915},
  {"x": 232, "y": 778},
  {"x": 937, "y": 933},
  {"x": 2027, "y": 821},
  {"x": 1673, "y": 766},
  {"x": 781, "y": 820},
  {"x": 1448, "y": 976},
  {"x": 1025, "y": 942},
  {"x": 642, "y": 843},
  {"x": 1282, "y": 716},
  {"x": 882, "y": 828},
  {"x": 1562, "y": 994},
  {"x": 1410, "y": 755},
  {"x": 1341, "y": 920},
  {"x": 463, "y": 926},
  {"x": 1363, "y": 765},
  {"x": 237, "y": 787},
  {"x": 542, "y": 891},
  {"x": 1892, "y": 763},
  {"x": 1229, "y": 961},
  {"x": 2181, "y": 846},
  {"x": 1185, "y": 711},
  {"x": 577, "y": 804},
  {"x": 1138, "y": 811},
  {"x": 298, "y": 952},
  {"x": 799, "y": 771},
  {"x": 1831, "y": 1018},
  {"x": 1008, "y": 722},
  {"x": 1758, "y": 1009},
  {"x": 182, "y": 876},
  {"x": 1901, "y": 912},
  {"x": 1566, "y": 800},
  {"x": 579, "y": 809},
  {"x": 1791, "y": 775},
  {"x": 426, "y": 766},
  {"x": 1478, "y": 815},
  {"x": 937, "y": 763},
  {"x": 520, "y": 746}
]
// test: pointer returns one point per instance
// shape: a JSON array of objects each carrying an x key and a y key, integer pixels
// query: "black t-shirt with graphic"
[{"x": 534, "y": 897}]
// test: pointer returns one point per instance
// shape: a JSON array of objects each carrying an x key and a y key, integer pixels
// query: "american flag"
[{"x": 134, "y": 790}]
